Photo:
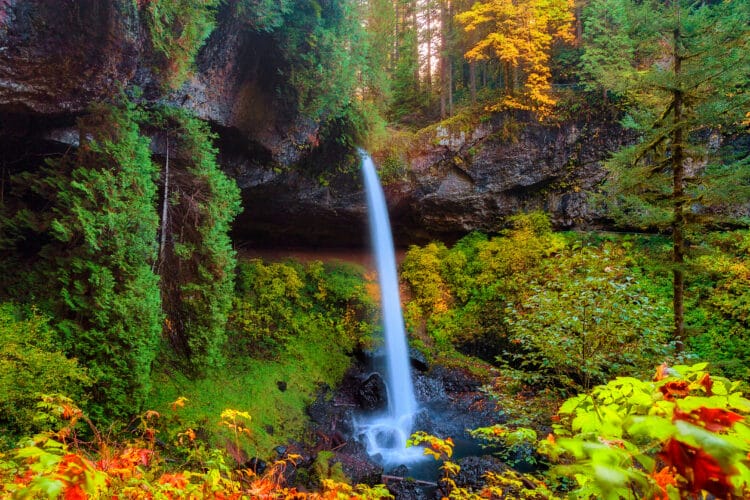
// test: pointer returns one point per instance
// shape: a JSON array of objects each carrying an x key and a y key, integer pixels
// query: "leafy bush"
[
  {"x": 277, "y": 301},
  {"x": 587, "y": 317},
  {"x": 31, "y": 364},
  {"x": 57, "y": 464},
  {"x": 719, "y": 317},
  {"x": 685, "y": 433}
]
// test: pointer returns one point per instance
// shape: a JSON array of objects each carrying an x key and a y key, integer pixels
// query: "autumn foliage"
[
  {"x": 58, "y": 464},
  {"x": 520, "y": 35},
  {"x": 685, "y": 432}
]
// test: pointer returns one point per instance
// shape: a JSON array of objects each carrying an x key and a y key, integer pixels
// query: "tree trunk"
[
  {"x": 428, "y": 74},
  {"x": 443, "y": 59},
  {"x": 164, "y": 207},
  {"x": 678, "y": 194},
  {"x": 473, "y": 81},
  {"x": 447, "y": 30},
  {"x": 415, "y": 22}
]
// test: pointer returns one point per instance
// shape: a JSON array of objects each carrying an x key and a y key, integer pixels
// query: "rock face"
[
  {"x": 453, "y": 182},
  {"x": 56, "y": 57}
]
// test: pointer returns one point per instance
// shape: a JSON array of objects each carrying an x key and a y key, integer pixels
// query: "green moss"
[
  {"x": 250, "y": 385},
  {"x": 291, "y": 333}
]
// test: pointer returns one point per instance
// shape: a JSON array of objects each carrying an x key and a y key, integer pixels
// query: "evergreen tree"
[
  {"x": 93, "y": 270},
  {"x": 197, "y": 260},
  {"x": 682, "y": 68},
  {"x": 177, "y": 30}
]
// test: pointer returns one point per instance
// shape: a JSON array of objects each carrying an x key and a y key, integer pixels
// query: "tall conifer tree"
[{"x": 682, "y": 68}]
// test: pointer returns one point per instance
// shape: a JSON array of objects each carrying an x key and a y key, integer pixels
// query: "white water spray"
[{"x": 386, "y": 435}]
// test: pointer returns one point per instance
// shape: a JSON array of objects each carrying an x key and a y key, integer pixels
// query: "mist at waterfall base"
[{"x": 385, "y": 434}]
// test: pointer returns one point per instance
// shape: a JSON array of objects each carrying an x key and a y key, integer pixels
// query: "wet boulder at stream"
[{"x": 450, "y": 403}]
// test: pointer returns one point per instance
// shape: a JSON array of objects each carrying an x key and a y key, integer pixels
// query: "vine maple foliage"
[{"x": 685, "y": 432}]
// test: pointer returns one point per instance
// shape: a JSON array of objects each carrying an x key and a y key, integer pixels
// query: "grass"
[{"x": 250, "y": 385}]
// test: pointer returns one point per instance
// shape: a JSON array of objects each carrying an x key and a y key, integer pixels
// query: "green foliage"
[
  {"x": 325, "y": 467},
  {"x": 197, "y": 265},
  {"x": 587, "y": 316},
  {"x": 177, "y": 30},
  {"x": 686, "y": 432},
  {"x": 678, "y": 68},
  {"x": 97, "y": 244},
  {"x": 290, "y": 323},
  {"x": 552, "y": 310},
  {"x": 279, "y": 301},
  {"x": 510, "y": 441},
  {"x": 718, "y": 317},
  {"x": 31, "y": 364}
]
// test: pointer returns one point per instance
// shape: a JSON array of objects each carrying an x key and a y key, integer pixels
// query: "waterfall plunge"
[{"x": 386, "y": 435}]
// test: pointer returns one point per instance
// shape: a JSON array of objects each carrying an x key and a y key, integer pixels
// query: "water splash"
[{"x": 386, "y": 435}]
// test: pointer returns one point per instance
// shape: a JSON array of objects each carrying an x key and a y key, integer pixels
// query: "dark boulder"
[
  {"x": 418, "y": 360},
  {"x": 410, "y": 490},
  {"x": 372, "y": 393},
  {"x": 471, "y": 475}
]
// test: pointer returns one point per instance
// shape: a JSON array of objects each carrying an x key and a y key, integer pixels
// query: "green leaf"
[{"x": 609, "y": 475}]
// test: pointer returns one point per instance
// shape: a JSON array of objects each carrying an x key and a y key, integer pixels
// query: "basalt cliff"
[{"x": 56, "y": 58}]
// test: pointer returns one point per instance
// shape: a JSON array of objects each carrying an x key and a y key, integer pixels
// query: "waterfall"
[{"x": 386, "y": 435}]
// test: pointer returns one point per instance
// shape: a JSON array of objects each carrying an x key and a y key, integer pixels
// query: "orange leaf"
[
  {"x": 665, "y": 477},
  {"x": 74, "y": 492},
  {"x": 662, "y": 372}
]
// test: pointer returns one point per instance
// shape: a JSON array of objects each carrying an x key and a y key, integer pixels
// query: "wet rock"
[
  {"x": 400, "y": 471},
  {"x": 455, "y": 380},
  {"x": 410, "y": 490},
  {"x": 56, "y": 58},
  {"x": 371, "y": 393},
  {"x": 256, "y": 465},
  {"x": 452, "y": 184},
  {"x": 359, "y": 467},
  {"x": 418, "y": 360},
  {"x": 473, "y": 470}
]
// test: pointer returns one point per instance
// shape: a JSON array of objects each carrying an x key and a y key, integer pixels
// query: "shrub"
[
  {"x": 197, "y": 265},
  {"x": 587, "y": 317},
  {"x": 31, "y": 364},
  {"x": 685, "y": 433},
  {"x": 177, "y": 30},
  {"x": 95, "y": 246}
]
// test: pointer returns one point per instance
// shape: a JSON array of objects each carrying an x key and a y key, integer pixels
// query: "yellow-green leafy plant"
[{"x": 684, "y": 433}]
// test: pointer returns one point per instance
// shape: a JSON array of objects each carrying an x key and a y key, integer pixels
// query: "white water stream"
[{"x": 386, "y": 434}]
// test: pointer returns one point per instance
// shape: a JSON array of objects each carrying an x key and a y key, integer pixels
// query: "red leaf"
[
  {"x": 707, "y": 383},
  {"x": 700, "y": 470},
  {"x": 74, "y": 492},
  {"x": 712, "y": 419},
  {"x": 674, "y": 388}
]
